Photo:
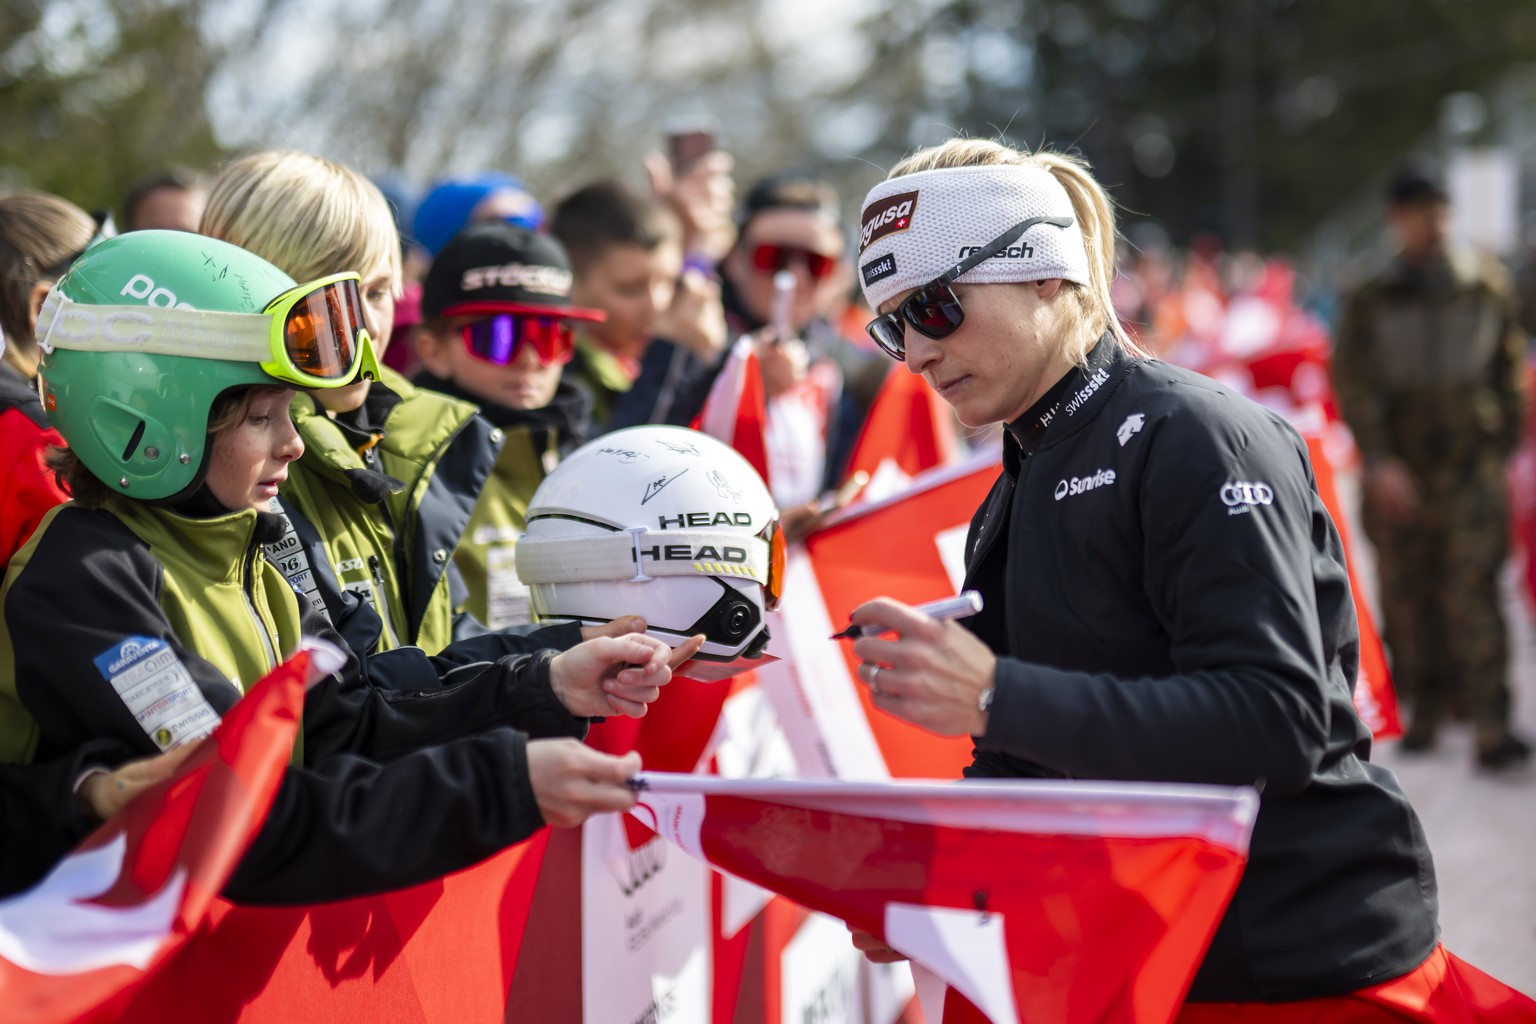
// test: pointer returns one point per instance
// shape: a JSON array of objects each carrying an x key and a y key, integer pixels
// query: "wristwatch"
[{"x": 984, "y": 701}]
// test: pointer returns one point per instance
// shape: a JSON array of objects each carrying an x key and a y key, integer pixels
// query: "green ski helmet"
[{"x": 147, "y": 329}]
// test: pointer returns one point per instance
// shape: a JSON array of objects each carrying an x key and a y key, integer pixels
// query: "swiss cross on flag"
[
  {"x": 111, "y": 912},
  {"x": 1032, "y": 901}
]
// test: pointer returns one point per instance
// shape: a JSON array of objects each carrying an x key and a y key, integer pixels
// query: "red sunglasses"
[
  {"x": 779, "y": 257},
  {"x": 500, "y": 339}
]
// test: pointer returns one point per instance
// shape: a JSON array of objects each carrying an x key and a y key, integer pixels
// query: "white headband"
[{"x": 917, "y": 226}]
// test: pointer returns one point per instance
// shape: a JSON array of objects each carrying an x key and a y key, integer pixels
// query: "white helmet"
[{"x": 662, "y": 522}]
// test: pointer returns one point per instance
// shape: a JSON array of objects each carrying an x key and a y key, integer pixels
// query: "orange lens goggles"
[
  {"x": 318, "y": 332},
  {"x": 774, "y": 588}
]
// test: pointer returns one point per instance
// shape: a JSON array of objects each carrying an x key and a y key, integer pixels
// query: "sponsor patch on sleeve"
[
  {"x": 158, "y": 690},
  {"x": 883, "y": 267},
  {"x": 1243, "y": 496}
]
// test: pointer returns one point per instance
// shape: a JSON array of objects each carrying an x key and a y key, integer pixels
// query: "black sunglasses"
[{"x": 934, "y": 309}]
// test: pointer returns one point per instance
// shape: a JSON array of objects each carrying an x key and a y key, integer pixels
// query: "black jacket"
[
  {"x": 672, "y": 387},
  {"x": 1168, "y": 599},
  {"x": 39, "y": 819},
  {"x": 412, "y": 766}
]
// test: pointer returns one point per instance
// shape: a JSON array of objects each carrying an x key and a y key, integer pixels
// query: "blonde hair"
[
  {"x": 1093, "y": 308},
  {"x": 307, "y": 216},
  {"x": 40, "y": 234}
]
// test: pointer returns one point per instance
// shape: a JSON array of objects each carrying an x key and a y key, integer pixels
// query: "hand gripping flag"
[
  {"x": 112, "y": 912},
  {"x": 1060, "y": 901}
]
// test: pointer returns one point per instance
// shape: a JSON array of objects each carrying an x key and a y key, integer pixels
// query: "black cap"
[
  {"x": 1417, "y": 183},
  {"x": 496, "y": 267},
  {"x": 790, "y": 190}
]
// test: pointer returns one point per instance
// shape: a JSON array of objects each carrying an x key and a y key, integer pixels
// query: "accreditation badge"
[{"x": 508, "y": 600}]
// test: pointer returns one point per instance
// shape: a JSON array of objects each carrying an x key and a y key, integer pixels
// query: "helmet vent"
[{"x": 133, "y": 442}]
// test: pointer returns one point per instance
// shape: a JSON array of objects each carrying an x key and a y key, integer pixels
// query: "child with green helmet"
[{"x": 138, "y": 613}]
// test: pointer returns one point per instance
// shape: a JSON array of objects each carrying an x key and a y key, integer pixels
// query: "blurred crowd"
[{"x": 615, "y": 303}]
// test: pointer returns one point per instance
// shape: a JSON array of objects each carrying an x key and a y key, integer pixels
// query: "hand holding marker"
[{"x": 957, "y": 607}]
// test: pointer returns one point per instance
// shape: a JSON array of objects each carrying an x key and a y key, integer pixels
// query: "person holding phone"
[
  {"x": 693, "y": 178},
  {"x": 652, "y": 357},
  {"x": 1165, "y": 596},
  {"x": 818, "y": 385}
]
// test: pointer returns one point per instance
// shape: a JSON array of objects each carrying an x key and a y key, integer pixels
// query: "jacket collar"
[
  {"x": 407, "y": 423},
  {"x": 1071, "y": 401},
  {"x": 213, "y": 548},
  {"x": 602, "y": 367}
]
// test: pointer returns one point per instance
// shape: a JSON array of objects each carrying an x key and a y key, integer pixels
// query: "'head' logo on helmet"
[
  {"x": 139, "y": 419},
  {"x": 661, "y": 522}
]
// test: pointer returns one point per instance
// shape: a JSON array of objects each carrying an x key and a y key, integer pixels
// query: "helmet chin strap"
[{"x": 637, "y": 533}]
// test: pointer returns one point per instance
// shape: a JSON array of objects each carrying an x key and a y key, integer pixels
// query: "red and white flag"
[
  {"x": 105, "y": 918},
  {"x": 736, "y": 409},
  {"x": 1060, "y": 901},
  {"x": 909, "y": 429},
  {"x": 1375, "y": 696},
  {"x": 826, "y": 714}
]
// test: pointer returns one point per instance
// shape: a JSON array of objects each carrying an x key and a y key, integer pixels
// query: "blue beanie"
[
  {"x": 445, "y": 210},
  {"x": 400, "y": 196}
]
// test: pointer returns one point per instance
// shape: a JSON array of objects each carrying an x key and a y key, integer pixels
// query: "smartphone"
[{"x": 690, "y": 139}]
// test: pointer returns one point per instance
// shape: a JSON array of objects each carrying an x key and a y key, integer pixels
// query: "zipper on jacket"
[
  {"x": 376, "y": 569},
  {"x": 248, "y": 589},
  {"x": 404, "y": 566}
]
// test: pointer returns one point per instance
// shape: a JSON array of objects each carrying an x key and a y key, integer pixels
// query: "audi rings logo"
[
  {"x": 1241, "y": 492},
  {"x": 640, "y": 866}
]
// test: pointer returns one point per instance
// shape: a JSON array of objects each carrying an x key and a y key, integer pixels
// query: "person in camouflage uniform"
[{"x": 1429, "y": 368}]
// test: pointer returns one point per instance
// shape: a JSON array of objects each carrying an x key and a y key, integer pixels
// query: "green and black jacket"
[
  {"x": 534, "y": 442},
  {"x": 390, "y": 489},
  {"x": 138, "y": 627}
]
